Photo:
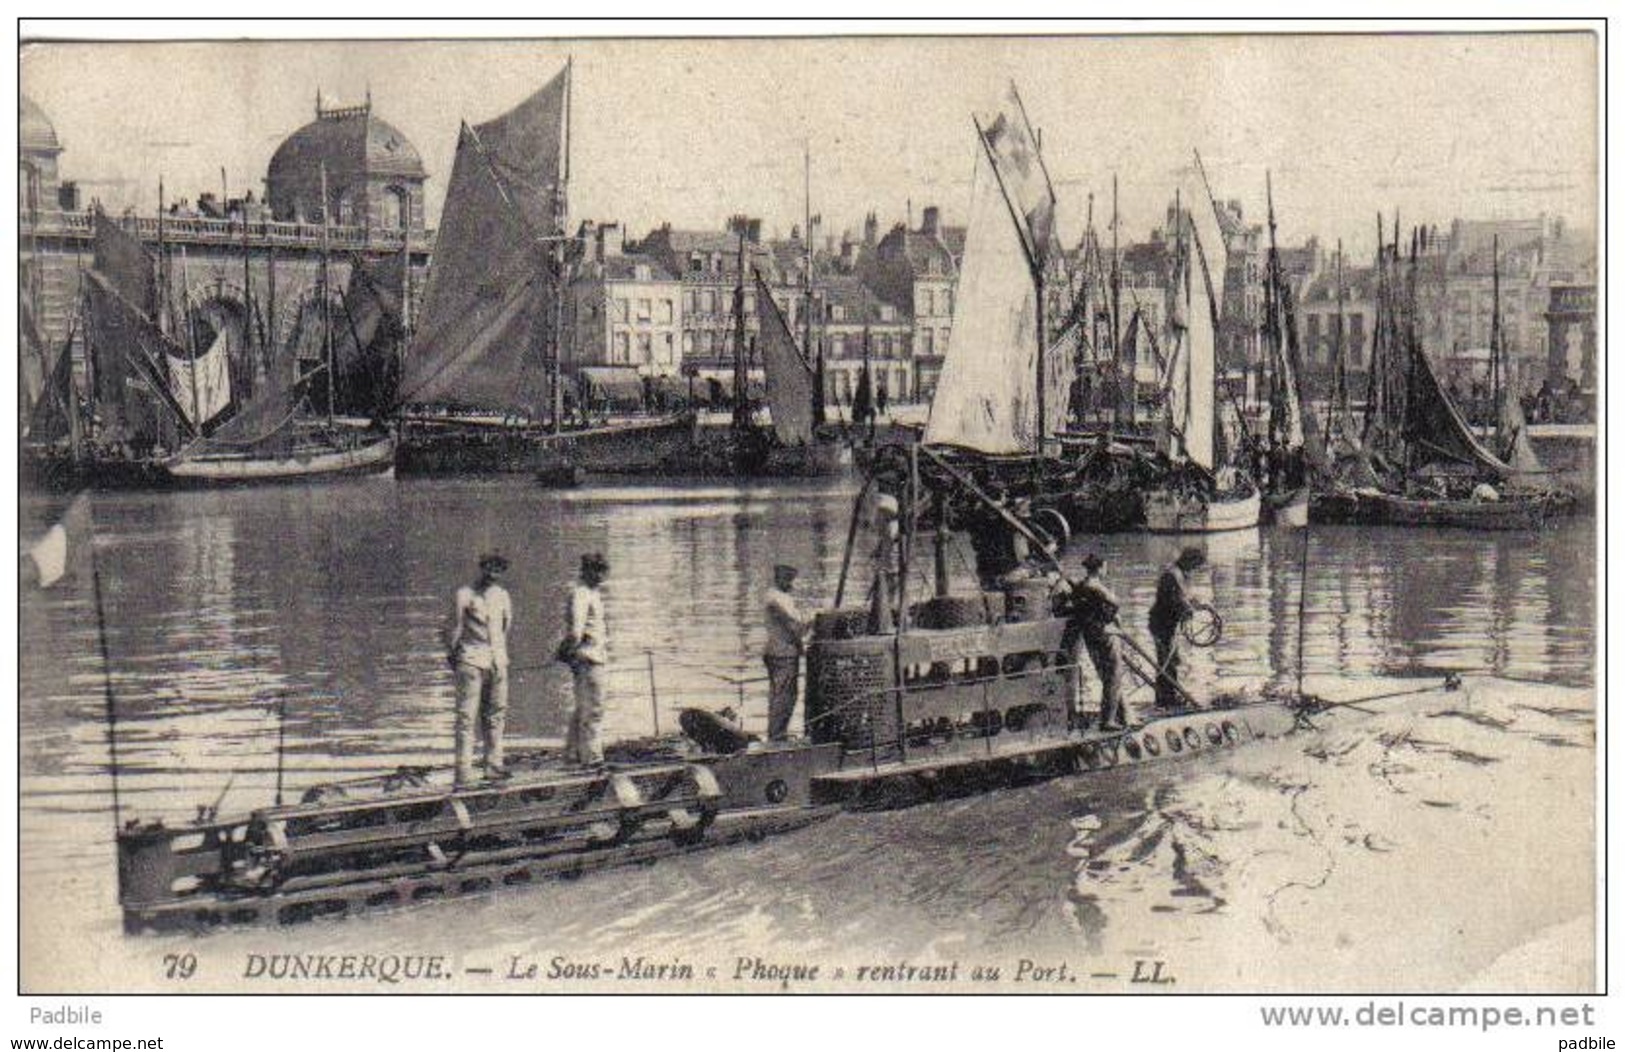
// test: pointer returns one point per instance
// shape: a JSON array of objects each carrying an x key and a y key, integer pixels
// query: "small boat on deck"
[{"x": 1169, "y": 510}]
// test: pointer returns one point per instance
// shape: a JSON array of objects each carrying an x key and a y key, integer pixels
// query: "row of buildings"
[{"x": 663, "y": 304}]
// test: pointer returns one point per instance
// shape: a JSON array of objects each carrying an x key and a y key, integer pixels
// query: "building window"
[
  {"x": 623, "y": 347},
  {"x": 643, "y": 310},
  {"x": 709, "y": 301},
  {"x": 688, "y": 345},
  {"x": 837, "y": 313},
  {"x": 620, "y": 309},
  {"x": 691, "y": 301},
  {"x": 942, "y": 341},
  {"x": 947, "y": 301},
  {"x": 837, "y": 345},
  {"x": 666, "y": 348},
  {"x": 644, "y": 355},
  {"x": 696, "y": 264},
  {"x": 394, "y": 211},
  {"x": 927, "y": 342},
  {"x": 666, "y": 312},
  {"x": 928, "y": 301},
  {"x": 641, "y": 272}
]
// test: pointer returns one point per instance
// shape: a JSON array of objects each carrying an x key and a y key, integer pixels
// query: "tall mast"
[
  {"x": 817, "y": 354},
  {"x": 327, "y": 301},
  {"x": 248, "y": 312},
  {"x": 163, "y": 265},
  {"x": 1495, "y": 339},
  {"x": 561, "y": 204},
  {"x": 742, "y": 416},
  {"x": 191, "y": 341},
  {"x": 1340, "y": 392},
  {"x": 1117, "y": 314}
]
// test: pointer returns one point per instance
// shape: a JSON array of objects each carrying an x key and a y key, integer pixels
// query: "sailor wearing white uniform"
[
  {"x": 476, "y": 638},
  {"x": 587, "y": 650},
  {"x": 786, "y": 638}
]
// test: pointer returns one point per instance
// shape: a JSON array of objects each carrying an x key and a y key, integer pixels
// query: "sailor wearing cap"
[
  {"x": 786, "y": 639},
  {"x": 1173, "y": 607},
  {"x": 476, "y": 638},
  {"x": 586, "y": 649}
]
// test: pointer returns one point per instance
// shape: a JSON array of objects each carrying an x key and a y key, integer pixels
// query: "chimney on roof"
[
  {"x": 753, "y": 231},
  {"x": 931, "y": 221},
  {"x": 871, "y": 230},
  {"x": 849, "y": 253},
  {"x": 611, "y": 240}
]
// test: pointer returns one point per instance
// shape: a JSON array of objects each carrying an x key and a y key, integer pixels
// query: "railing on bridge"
[{"x": 204, "y": 230}]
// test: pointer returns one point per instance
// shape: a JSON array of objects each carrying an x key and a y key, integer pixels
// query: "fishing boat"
[
  {"x": 1203, "y": 492},
  {"x": 1293, "y": 458},
  {"x": 164, "y": 410},
  {"x": 481, "y": 389},
  {"x": 1002, "y": 397},
  {"x": 796, "y": 442},
  {"x": 1418, "y": 462}
]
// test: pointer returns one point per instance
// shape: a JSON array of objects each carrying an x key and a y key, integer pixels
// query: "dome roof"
[
  {"x": 347, "y": 140},
  {"x": 34, "y": 130}
]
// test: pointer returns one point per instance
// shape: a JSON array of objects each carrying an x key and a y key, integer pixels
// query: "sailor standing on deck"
[
  {"x": 1092, "y": 627},
  {"x": 586, "y": 649},
  {"x": 786, "y": 639},
  {"x": 1173, "y": 607},
  {"x": 476, "y": 638}
]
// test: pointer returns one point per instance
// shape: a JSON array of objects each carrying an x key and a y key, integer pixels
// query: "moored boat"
[
  {"x": 369, "y": 455},
  {"x": 1171, "y": 510},
  {"x": 1373, "y": 507},
  {"x": 481, "y": 388}
]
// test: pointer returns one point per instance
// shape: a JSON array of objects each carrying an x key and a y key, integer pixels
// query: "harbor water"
[{"x": 1436, "y": 841}]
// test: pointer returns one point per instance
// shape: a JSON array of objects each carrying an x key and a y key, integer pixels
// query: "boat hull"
[
  {"x": 1372, "y": 508},
  {"x": 1290, "y": 510},
  {"x": 431, "y": 446},
  {"x": 1167, "y": 511},
  {"x": 374, "y": 459}
]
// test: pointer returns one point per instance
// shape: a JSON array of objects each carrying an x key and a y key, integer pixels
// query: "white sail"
[
  {"x": 202, "y": 385},
  {"x": 986, "y": 398},
  {"x": 1192, "y": 379}
]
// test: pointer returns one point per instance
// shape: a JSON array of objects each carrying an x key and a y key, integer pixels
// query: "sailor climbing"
[{"x": 1092, "y": 627}]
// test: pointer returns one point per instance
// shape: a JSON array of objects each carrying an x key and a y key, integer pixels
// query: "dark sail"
[
  {"x": 368, "y": 334},
  {"x": 126, "y": 265},
  {"x": 1434, "y": 428},
  {"x": 486, "y": 309},
  {"x": 132, "y": 392},
  {"x": 789, "y": 378}
]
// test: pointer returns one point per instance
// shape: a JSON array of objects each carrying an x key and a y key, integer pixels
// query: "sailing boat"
[
  {"x": 271, "y": 436},
  {"x": 1000, "y": 400},
  {"x": 481, "y": 388},
  {"x": 1292, "y": 451},
  {"x": 1427, "y": 466},
  {"x": 794, "y": 445},
  {"x": 1201, "y": 494}
]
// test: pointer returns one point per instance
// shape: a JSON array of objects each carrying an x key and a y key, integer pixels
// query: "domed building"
[
  {"x": 374, "y": 175},
  {"x": 38, "y": 149}
]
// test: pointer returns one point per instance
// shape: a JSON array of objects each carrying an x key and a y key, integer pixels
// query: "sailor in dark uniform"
[
  {"x": 1173, "y": 607},
  {"x": 1093, "y": 624}
]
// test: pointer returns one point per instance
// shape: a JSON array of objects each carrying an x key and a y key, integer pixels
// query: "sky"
[{"x": 691, "y": 131}]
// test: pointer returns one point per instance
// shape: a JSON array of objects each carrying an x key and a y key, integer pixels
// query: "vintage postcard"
[{"x": 1068, "y": 514}]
